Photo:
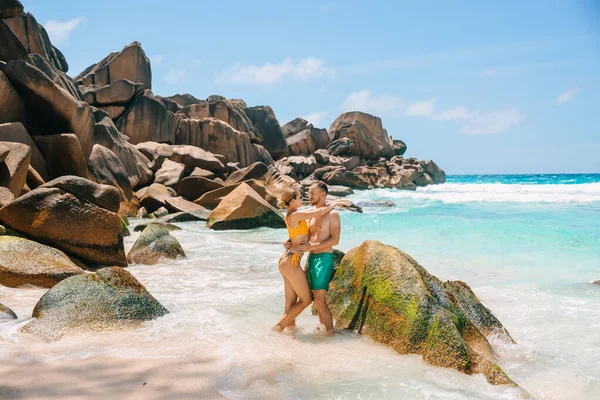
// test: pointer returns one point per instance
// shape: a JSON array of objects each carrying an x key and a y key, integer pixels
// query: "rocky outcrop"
[
  {"x": 7, "y": 313},
  {"x": 147, "y": 119},
  {"x": 6, "y": 196},
  {"x": 263, "y": 118},
  {"x": 184, "y": 100},
  {"x": 12, "y": 108},
  {"x": 106, "y": 168},
  {"x": 118, "y": 93},
  {"x": 243, "y": 208},
  {"x": 13, "y": 170},
  {"x": 25, "y": 262},
  {"x": 218, "y": 137},
  {"x": 10, "y": 8},
  {"x": 110, "y": 299},
  {"x": 15, "y": 132},
  {"x": 179, "y": 204},
  {"x": 228, "y": 111},
  {"x": 381, "y": 292},
  {"x": 154, "y": 197},
  {"x": 359, "y": 141},
  {"x": 399, "y": 147},
  {"x": 190, "y": 156},
  {"x": 155, "y": 243},
  {"x": 372, "y": 124},
  {"x": 63, "y": 155},
  {"x": 303, "y": 138},
  {"x": 255, "y": 171},
  {"x": 213, "y": 198},
  {"x": 57, "y": 218},
  {"x": 104, "y": 196},
  {"x": 170, "y": 174},
  {"x": 193, "y": 187},
  {"x": 34, "y": 39},
  {"x": 130, "y": 63}
]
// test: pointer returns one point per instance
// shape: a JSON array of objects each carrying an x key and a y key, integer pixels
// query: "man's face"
[{"x": 314, "y": 195}]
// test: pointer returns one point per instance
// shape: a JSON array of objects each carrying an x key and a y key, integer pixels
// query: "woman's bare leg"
[
  {"x": 297, "y": 279},
  {"x": 290, "y": 299}
]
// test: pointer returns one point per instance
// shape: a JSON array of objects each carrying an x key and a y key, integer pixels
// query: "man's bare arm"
[{"x": 334, "y": 230}]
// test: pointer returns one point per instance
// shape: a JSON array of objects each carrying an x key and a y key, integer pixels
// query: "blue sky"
[{"x": 477, "y": 86}]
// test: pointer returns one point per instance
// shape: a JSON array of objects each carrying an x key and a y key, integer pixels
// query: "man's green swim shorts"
[{"x": 320, "y": 271}]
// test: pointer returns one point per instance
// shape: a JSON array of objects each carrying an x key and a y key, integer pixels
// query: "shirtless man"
[{"x": 324, "y": 234}]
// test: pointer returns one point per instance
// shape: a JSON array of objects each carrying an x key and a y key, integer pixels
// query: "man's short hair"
[{"x": 321, "y": 185}]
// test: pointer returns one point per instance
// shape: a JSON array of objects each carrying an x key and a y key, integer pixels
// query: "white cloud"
[
  {"x": 567, "y": 95},
  {"x": 493, "y": 122},
  {"x": 454, "y": 113},
  {"x": 157, "y": 59},
  {"x": 267, "y": 74},
  {"x": 176, "y": 75},
  {"x": 366, "y": 102},
  {"x": 488, "y": 73},
  {"x": 59, "y": 31},
  {"x": 315, "y": 118},
  {"x": 421, "y": 108}
]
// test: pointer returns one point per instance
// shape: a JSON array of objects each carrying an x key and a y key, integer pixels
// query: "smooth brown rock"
[
  {"x": 303, "y": 138},
  {"x": 113, "y": 111},
  {"x": 203, "y": 173},
  {"x": 372, "y": 123},
  {"x": 179, "y": 204},
  {"x": 10, "y": 8},
  {"x": 130, "y": 63},
  {"x": 263, "y": 118},
  {"x": 56, "y": 75},
  {"x": 155, "y": 243},
  {"x": 229, "y": 111},
  {"x": 34, "y": 180},
  {"x": 11, "y": 47},
  {"x": 190, "y": 156},
  {"x": 243, "y": 208},
  {"x": 61, "y": 220},
  {"x": 13, "y": 171},
  {"x": 148, "y": 149},
  {"x": 154, "y": 197},
  {"x": 63, "y": 155},
  {"x": 34, "y": 38},
  {"x": 12, "y": 108},
  {"x": 147, "y": 119},
  {"x": 322, "y": 156},
  {"x": 161, "y": 212},
  {"x": 363, "y": 142},
  {"x": 399, "y": 147},
  {"x": 23, "y": 262},
  {"x": 16, "y": 132},
  {"x": 253, "y": 171},
  {"x": 212, "y": 199},
  {"x": 303, "y": 165},
  {"x": 217, "y": 137},
  {"x": 104, "y": 196},
  {"x": 347, "y": 178},
  {"x": 193, "y": 187},
  {"x": 6, "y": 196},
  {"x": 105, "y": 167},
  {"x": 170, "y": 174},
  {"x": 118, "y": 93},
  {"x": 184, "y": 100}
]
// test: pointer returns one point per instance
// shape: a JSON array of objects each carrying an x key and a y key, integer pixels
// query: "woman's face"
[{"x": 297, "y": 200}]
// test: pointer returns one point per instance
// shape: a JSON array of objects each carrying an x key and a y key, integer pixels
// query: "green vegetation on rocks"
[{"x": 154, "y": 243}]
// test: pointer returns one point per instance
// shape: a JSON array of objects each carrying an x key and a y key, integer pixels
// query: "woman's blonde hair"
[{"x": 287, "y": 197}]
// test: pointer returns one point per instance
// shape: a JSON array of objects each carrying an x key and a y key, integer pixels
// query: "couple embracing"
[{"x": 316, "y": 237}]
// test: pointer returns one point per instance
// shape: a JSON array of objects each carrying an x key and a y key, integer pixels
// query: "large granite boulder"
[
  {"x": 179, "y": 204},
  {"x": 13, "y": 170},
  {"x": 106, "y": 168},
  {"x": 155, "y": 243},
  {"x": 154, "y": 197},
  {"x": 6, "y": 196},
  {"x": 363, "y": 142},
  {"x": 147, "y": 119},
  {"x": 346, "y": 178},
  {"x": 399, "y": 147},
  {"x": 217, "y": 137},
  {"x": 63, "y": 155},
  {"x": 16, "y": 132},
  {"x": 193, "y": 187},
  {"x": 228, "y": 111},
  {"x": 12, "y": 108},
  {"x": 130, "y": 63},
  {"x": 303, "y": 138},
  {"x": 213, "y": 198},
  {"x": 256, "y": 170},
  {"x": 34, "y": 39},
  {"x": 11, "y": 47},
  {"x": 110, "y": 299},
  {"x": 104, "y": 196},
  {"x": 372, "y": 124},
  {"x": 50, "y": 108},
  {"x": 243, "y": 208},
  {"x": 118, "y": 93},
  {"x": 6, "y": 313},
  {"x": 383, "y": 293},
  {"x": 263, "y": 118},
  {"x": 25, "y": 262},
  {"x": 190, "y": 156},
  {"x": 57, "y": 218},
  {"x": 184, "y": 100},
  {"x": 10, "y": 8},
  {"x": 170, "y": 174},
  {"x": 436, "y": 173},
  {"x": 56, "y": 75}
]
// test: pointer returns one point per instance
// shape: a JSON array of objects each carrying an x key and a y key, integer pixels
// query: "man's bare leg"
[{"x": 324, "y": 312}]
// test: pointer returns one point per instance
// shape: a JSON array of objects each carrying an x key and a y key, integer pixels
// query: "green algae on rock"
[
  {"x": 110, "y": 299},
  {"x": 381, "y": 292},
  {"x": 154, "y": 243}
]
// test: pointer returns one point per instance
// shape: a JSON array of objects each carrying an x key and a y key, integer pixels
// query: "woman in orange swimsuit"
[{"x": 297, "y": 292}]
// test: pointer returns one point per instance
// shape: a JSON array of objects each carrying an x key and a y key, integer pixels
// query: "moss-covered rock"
[
  {"x": 154, "y": 243},
  {"x": 169, "y": 227},
  {"x": 110, "y": 299},
  {"x": 381, "y": 292},
  {"x": 23, "y": 262}
]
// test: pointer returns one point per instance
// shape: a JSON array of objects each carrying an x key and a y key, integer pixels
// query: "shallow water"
[{"x": 530, "y": 258}]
